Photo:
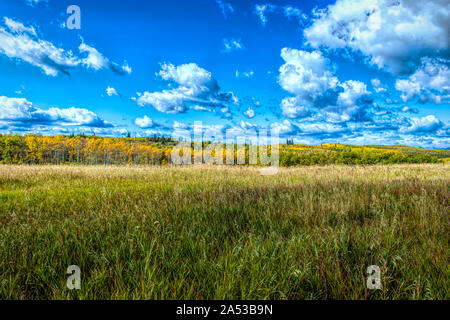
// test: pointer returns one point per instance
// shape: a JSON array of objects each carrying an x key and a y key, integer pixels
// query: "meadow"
[{"x": 224, "y": 232}]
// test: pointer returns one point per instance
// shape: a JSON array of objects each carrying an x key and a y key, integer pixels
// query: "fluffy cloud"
[
  {"x": 409, "y": 109},
  {"x": 211, "y": 132},
  {"x": 95, "y": 60},
  {"x": 292, "y": 108},
  {"x": 201, "y": 108},
  {"x": 189, "y": 76},
  {"x": 377, "y": 86},
  {"x": 424, "y": 132},
  {"x": 284, "y": 128},
  {"x": 309, "y": 76},
  {"x": 247, "y": 125},
  {"x": 17, "y": 42},
  {"x": 166, "y": 101},
  {"x": 20, "y": 42},
  {"x": 323, "y": 130},
  {"x": 391, "y": 138},
  {"x": 428, "y": 124},
  {"x": 18, "y": 112},
  {"x": 352, "y": 102},
  {"x": 196, "y": 86},
  {"x": 126, "y": 68},
  {"x": 394, "y": 35},
  {"x": 144, "y": 122},
  {"x": 431, "y": 82},
  {"x": 111, "y": 92},
  {"x": 306, "y": 74},
  {"x": 250, "y": 113},
  {"x": 18, "y": 27},
  {"x": 187, "y": 131},
  {"x": 353, "y": 90}
]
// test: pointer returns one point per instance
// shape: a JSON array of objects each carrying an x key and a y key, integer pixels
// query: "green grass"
[
  {"x": 224, "y": 232},
  {"x": 440, "y": 154}
]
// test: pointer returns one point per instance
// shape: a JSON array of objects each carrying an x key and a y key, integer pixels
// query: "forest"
[{"x": 94, "y": 150}]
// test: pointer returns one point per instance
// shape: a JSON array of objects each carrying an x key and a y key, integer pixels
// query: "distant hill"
[
  {"x": 438, "y": 153},
  {"x": 300, "y": 154}
]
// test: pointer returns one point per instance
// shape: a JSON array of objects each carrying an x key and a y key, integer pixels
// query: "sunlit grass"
[{"x": 225, "y": 232}]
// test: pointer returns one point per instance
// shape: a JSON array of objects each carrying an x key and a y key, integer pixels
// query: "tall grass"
[{"x": 204, "y": 232}]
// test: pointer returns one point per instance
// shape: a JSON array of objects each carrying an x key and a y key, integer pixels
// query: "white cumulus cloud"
[
  {"x": 431, "y": 82},
  {"x": 306, "y": 74},
  {"x": 196, "y": 86},
  {"x": 292, "y": 108},
  {"x": 19, "y": 42},
  {"x": 188, "y": 75},
  {"x": 309, "y": 76},
  {"x": 394, "y": 35},
  {"x": 144, "y": 122},
  {"x": 250, "y": 113},
  {"x": 166, "y": 101},
  {"x": 426, "y": 124},
  {"x": 19, "y": 112},
  {"x": 111, "y": 92},
  {"x": 377, "y": 86}
]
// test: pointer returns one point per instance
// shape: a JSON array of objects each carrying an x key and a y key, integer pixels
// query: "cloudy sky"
[{"x": 345, "y": 71}]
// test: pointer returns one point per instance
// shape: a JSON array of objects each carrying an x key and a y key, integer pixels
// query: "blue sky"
[{"x": 364, "y": 72}]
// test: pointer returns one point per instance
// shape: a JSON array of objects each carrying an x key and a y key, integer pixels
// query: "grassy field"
[{"x": 204, "y": 232}]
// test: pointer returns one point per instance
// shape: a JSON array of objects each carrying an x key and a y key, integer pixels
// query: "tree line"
[{"x": 93, "y": 150}]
